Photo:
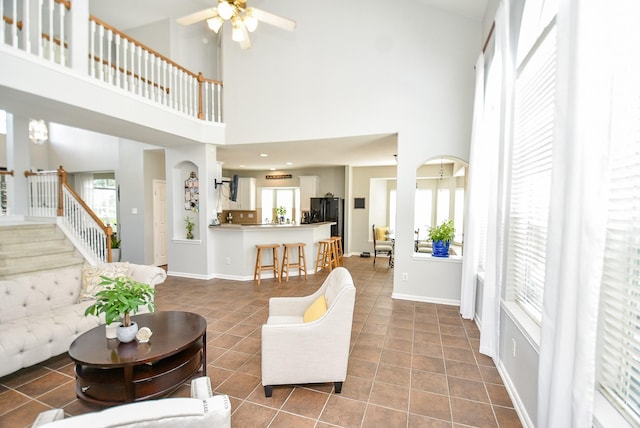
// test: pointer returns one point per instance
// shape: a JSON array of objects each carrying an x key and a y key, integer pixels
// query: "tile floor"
[{"x": 411, "y": 364}]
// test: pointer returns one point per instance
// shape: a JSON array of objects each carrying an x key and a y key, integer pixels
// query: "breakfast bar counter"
[{"x": 235, "y": 246}]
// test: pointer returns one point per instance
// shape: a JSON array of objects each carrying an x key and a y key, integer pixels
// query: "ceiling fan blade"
[
  {"x": 246, "y": 42},
  {"x": 198, "y": 16},
  {"x": 275, "y": 20}
]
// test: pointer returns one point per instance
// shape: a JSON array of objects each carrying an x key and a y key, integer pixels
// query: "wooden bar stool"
[
  {"x": 337, "y": 241},
  {"x": 301, "y": 264},
  {"x": 257, "y": 274},
  {"x": 326, "y": 255}
]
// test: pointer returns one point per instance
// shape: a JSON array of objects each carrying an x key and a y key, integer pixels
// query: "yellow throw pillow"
[
  {"x": 381, "y": 233},
  {"x": 316, "y": 310}
]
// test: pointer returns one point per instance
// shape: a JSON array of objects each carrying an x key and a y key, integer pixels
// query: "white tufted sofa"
[
  {"x": 40, "y": 315},
  {"x": 203, "y": 409}
]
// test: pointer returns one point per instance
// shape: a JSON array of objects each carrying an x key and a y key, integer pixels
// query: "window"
[
  {"x": 280, "y": 197},
  {"x": 619, "y": 375},
  {"x": 530, "y": 179},
  {"x": 104, "y": 200},
  {"x": 423, "y": 212},
  {"x": 392, "y": 207},
  {"x": 458, "y": 215},
  {"x": 442, "y": 206}
]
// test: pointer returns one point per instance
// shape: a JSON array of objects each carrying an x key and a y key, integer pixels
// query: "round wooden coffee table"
[{"x": 109, "y": 372}]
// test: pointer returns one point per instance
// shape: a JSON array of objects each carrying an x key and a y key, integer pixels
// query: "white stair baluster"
[
  {"x": 117, "y": 67},
  {"x": 101, "y": 52},
  {"x": 92, "y": 50},
  {"x": 2, "y": 22},
  {"x": 62, "y": 12},
  {"x": 14, "y": 27},
  {"x": 109, "y": 60},
  {"x": 52, "y": 55},
  {"x": 146, "y": 72},
  {"x": 139, "y": 81},
  {"x": 125, "y": 80}
]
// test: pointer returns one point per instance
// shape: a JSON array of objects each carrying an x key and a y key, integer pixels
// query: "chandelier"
[
  {"x": 241, "y": 17},
  {"x": 38, "y": 132}
]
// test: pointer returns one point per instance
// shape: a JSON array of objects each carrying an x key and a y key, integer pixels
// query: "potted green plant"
[
  {"x": 441, "y": 236},
  {"x": 281, "y": 211},
  {"x": 115, "y": 247},
  {"x": 122, "y": 297},
  {"x": 189, "y": 225}
]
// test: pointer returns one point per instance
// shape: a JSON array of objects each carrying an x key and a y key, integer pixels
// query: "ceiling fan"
[{"x": 244, "y": 20}]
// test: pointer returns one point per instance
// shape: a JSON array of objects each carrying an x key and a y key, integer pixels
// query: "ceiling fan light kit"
[
  {"x": 215, "y": 24},
  {"x": 244, "y": 20}
]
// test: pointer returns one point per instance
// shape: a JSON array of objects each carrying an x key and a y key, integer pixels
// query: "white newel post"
[{"x": 79, "y": 37}]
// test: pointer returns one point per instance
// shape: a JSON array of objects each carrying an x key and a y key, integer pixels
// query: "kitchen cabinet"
[{"x": 308, "y": 190}]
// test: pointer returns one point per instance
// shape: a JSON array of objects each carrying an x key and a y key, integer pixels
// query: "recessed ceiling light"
[
  {"x": 289, "y": 163},
  {"x": 241, "y": 166},
  {"x": 272, "y": 169},
  {"x": 264, "y": 155}
]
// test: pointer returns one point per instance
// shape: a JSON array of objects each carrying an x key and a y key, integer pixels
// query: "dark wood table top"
[{"x": 173, "y": 331}]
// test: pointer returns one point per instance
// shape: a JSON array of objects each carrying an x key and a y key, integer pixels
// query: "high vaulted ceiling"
[{"x": 369, "y": 150}]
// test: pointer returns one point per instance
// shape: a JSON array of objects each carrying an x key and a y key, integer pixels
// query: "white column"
[
  {"x": 79, "y": 37},
  {"x": 18, "y": 160}
]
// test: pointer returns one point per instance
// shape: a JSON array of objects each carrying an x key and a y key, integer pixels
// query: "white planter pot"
[
  {"x": 115, "y": 255},
  {"x": 111, "y": 329},
  {"x": 127, "y": 334}
]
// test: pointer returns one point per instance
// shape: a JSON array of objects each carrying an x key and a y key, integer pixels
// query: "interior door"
[{"x": 159, "y": 222}]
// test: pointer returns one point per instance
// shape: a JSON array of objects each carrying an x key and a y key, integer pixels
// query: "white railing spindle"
[
  {"x": 117, "y": 69},
  {"x": 92, "y": 48},
  {"x": 101, "y": 53},
  {"x": 61, "y": 12},
  {"x": 51, "y": 8},
  {"x": 108, "y": 60},
  {"x": 14, "y": 27}
]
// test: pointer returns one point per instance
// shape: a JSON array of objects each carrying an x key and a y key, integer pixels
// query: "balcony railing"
[{"x": 114, "y": 57}]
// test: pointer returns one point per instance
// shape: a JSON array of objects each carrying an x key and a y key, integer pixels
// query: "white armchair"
[
  {"x": 203, "y": 409},
  {"x": 298, "y": 352}
]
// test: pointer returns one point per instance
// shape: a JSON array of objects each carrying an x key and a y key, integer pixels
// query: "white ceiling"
[
  {"x": 370, "y": 150},
  {"x": 125, "y": 14}
]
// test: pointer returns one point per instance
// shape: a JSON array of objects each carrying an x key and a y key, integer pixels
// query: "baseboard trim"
[{"x": 425, "y": 299}]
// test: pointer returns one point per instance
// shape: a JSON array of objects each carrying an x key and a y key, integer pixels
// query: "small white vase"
[{"x": 127, "y": 334}]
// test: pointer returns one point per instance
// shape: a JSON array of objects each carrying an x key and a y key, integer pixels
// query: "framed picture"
[{"x": 358, "y": 203}]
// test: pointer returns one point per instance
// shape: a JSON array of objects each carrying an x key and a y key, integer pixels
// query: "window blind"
[
  {"x": 530, "y": 179},
  {"x": 620, "y": 290}
]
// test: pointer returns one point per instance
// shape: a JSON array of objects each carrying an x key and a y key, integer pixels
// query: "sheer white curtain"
[
  {"x": 577, "y": 220},
  {"x": 474, "y": 204},
  {"x": 498, "y": 84},
  {"x": 84, "y": 187}
]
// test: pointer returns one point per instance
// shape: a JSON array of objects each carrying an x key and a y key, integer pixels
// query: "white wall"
[
  {"x": 79, "y": 150},
  {"x": 410, "y": 73},
  {"x": 194, "y": 47},
  {"x": 193, "y": 258}
]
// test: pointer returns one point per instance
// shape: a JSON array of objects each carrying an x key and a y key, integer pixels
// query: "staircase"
[{"x": 31, "y": 247}]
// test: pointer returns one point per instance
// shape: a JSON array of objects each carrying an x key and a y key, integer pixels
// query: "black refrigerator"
[{"x": 329, "y": 209}]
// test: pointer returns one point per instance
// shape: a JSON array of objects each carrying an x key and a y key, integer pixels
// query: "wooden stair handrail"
[
  {"x": 6, "y": 172},
  {"x": 63, "y": 183}
]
